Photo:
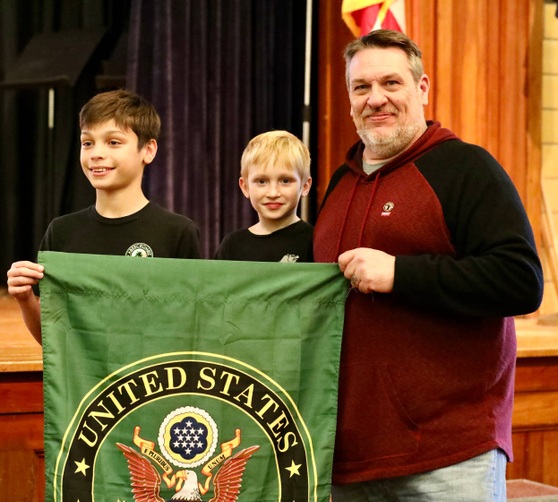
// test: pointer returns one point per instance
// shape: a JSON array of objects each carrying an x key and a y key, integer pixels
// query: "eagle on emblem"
[{"x": 146, "y": 480}]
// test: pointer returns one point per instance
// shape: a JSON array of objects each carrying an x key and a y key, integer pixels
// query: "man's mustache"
[{"x": 377, "y": 111}]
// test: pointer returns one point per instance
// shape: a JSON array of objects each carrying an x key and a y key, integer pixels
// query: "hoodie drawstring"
[
  {"x": 365, "y": 217},
  {"x": 338, "y": 250}
]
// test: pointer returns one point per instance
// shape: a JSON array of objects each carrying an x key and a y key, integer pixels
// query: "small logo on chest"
[
  {"x": 140, "y": 250},
  {"x": 387, "y": 208}
]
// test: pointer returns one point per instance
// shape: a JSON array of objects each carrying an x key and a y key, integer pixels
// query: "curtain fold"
[
  {"x": 219, "y": 72},
  {"x": 40, "y": 175}
]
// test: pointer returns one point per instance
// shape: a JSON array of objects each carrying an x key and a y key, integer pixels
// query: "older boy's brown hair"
[{"x": 128, "y": 110}]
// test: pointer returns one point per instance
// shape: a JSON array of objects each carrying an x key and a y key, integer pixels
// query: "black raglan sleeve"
[{"x": 496, "y": 270}]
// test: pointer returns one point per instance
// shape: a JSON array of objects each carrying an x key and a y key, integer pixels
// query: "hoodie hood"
[
  {"x": 434, "y": 135},
  {"x": 354, "y": 182}
]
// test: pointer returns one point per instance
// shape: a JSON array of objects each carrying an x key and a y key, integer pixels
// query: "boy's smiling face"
[
  {"x": 274, "y": 191},
  {"x": 110, "y": 157}
]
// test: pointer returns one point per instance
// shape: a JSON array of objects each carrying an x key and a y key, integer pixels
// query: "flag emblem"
[
  {"x": 188, "y": 436},
  {"x": 183, "y": 432}
]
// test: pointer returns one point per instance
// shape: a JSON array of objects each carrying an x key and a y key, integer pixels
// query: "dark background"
[{"x": 218, "y": 71}]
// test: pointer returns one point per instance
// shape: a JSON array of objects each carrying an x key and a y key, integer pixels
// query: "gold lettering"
[
  {"x": 89, "y": 442},
  {"x": 150, "y": 383},
  {"x": 266, "y": 407},
  {"x": 208, "y": 375},
  {"x": 98, "y": 414},
  {"x": 228, "y": 380},
  {"x": 280, "y": 422},
  {"x": 181, "y": 380},
  {"x": 248, "y": 393},
  {"x": 283, "y": 443},
  {"x": 116, "y": 403},
  {"x": 127, "y": 386}
]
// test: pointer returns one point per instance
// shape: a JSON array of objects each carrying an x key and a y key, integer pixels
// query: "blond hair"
[{"x": 279, "y": 147}]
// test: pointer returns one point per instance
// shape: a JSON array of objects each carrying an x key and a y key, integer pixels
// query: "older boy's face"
[
  {"x": 274, "y": 191},
  {"x": 110, "y": 157}
]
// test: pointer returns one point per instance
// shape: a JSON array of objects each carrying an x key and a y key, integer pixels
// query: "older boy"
[
  {"x": 274, "y": 175},
  {"x": 119, "y": 132}
]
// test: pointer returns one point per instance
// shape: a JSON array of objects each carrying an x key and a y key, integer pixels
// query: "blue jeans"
[{"x": 479, "y": 479}]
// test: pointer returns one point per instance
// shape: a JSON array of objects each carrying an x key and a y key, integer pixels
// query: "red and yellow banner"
[{"x": 364, "y": 16}]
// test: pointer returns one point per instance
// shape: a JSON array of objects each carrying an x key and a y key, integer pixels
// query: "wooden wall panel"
[
  {"x": 535, "y": 420},
  {"x": 528, "y": 459},
  {"x": 485, "y": 64},
  {"x": 549, "y": 455},
  {"x": 22, "y": 463},
  {"x": 336, "y": 132}
]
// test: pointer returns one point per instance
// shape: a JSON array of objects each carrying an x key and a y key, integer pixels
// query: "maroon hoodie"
[{"x": 427, "y": 371}]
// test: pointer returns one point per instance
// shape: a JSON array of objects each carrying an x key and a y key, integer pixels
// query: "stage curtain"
[{"x": 219, "y": 72}]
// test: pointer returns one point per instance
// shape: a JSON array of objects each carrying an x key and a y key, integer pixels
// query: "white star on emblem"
[
  {"x": 82, "y": 467},
  {"x": 293, "y": 469}
]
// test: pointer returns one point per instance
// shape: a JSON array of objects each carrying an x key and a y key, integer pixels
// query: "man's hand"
[
  {"x": 368, "y": 269},
  {"x": 21, "y": 278}
]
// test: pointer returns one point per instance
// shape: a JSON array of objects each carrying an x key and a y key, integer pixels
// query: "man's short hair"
[{"x": 385, "y": 39}]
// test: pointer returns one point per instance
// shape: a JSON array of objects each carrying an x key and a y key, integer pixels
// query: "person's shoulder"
[
  {"x": 73, "y": 218},
  {"x": 235, "y": 235},
  {"x": 231, "y": 246},
  {"x": 300, "y": 227},
  {"x": 154, "y": 208},
  {"x": 304, "y": 225},
  {"x": 456, "y": 146},
  {"x": 457, "y": 154},
  {"x": 166, "y": 216},
  {"x": 455, "y": 165}
]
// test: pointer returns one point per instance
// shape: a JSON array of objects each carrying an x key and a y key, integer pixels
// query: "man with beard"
[{"x": 440, "y": 254}]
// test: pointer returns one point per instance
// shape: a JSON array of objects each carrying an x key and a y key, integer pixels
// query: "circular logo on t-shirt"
[{"x": 140, "y": 250}]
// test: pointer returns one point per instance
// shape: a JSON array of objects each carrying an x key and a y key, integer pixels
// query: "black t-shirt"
[
  {"x": 289, "y": 244},
  {"x": 151, "y": 232}
]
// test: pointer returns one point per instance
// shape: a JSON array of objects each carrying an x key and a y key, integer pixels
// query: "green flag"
[{"x": 189, "y": 380}]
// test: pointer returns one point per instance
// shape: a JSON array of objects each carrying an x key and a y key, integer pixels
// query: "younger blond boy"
[{"x": 274, "y": 175}]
